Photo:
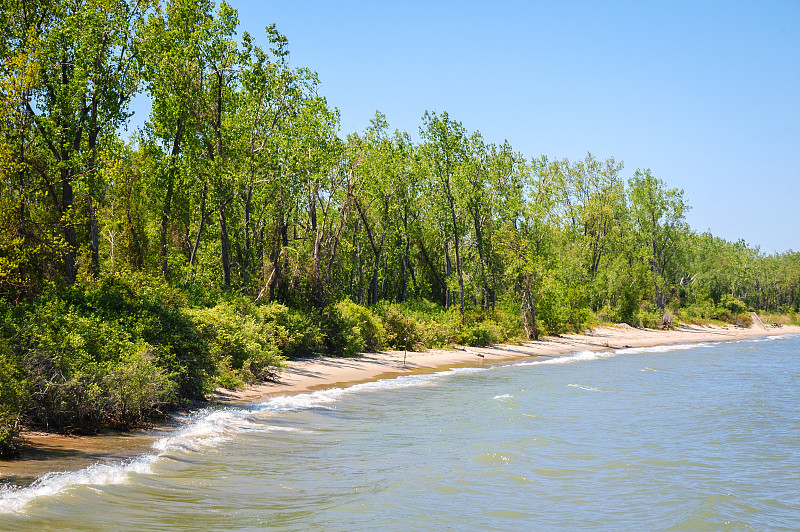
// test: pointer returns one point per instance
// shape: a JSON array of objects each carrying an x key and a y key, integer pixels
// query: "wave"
[
  {"x": 586, "y": 356},
  {"x": 586, "y": 388},
  {"x": 15, "y": 499},
  {"x": 774, "y": 337},
  {"x": 580, "y": 356},
  {"x": 662, "y": 348},
  {"x": 207, "y": 427}
]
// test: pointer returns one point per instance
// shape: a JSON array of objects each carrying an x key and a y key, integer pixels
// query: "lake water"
[{"x": 686, "y": 437}]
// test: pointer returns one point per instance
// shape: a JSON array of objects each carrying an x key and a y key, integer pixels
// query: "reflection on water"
[{"x": 684, "y": 437}]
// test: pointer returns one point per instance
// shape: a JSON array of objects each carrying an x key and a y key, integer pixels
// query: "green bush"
[
  {"x": 82, "y": 373},
  {"x": 730, "y": 303},
  {"x": 352, "y": 329},
  {"x": 436, "y": 326},
  {"x": 481, "y": 334},
  {"x": 402, "y": 331},
  {"x": 11, "y": 404},
  {"x": 699, "y": 312},
  {"x": 743, "y": 320},
  {"x": 647, "y": 316},
  {"x": 238, "y": 342},
  {"x": 149, "y": 309},
  {"x": 295, "y": 334},
  {"x": 137, "y": 389},
  {"x": 66, "y": 357},
  {"x": 507, "y": 317}
]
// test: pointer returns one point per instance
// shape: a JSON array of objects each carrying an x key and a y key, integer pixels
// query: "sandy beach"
[
  {"x": 312, "y": 374},
  {"x": 49, "y": 452}
]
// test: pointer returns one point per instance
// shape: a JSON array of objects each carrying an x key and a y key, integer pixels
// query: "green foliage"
[
  {"x": 238, "y": 228},
  {"x": 11, "y": 392},
  {"x": 699, "y": 312},
  {"x": 352, "y": 329},
  {"x": 732, "y": 304},
  {"x": 154, "y": 312},
  {"x": 137, "y": 389},
  {"x": 239, "y": 342},
  {"x": 436, "y": 326},
  {"x": 480, "y": 334},
  {"x": 402, "y": 331},
  {"x": 65, "y": 358},
  {"x": 294, "y": 333},
  {"x": 83, "y": 372}
]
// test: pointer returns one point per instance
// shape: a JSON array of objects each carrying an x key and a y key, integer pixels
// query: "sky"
[{"x": 706, "y": 94}]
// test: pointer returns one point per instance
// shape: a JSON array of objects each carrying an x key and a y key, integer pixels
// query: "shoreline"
[
  {"x": 46, "y": 452},
  {"x": 303, "y": 375}
]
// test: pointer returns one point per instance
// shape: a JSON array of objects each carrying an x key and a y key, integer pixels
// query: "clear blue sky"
[{"x": 704, "y": 93}]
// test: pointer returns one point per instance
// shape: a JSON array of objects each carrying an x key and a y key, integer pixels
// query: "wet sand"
[{"x": 47, "y": 452}]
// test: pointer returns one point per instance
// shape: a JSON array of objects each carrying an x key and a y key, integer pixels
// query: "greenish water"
[{"x": 688, "y": 437}]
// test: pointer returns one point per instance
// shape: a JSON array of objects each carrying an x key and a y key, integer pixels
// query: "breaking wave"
[{"x": 207, "y": 427}]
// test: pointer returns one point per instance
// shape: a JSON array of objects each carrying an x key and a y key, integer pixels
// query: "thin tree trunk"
[
  {"x": 203, "y": 216},
  {"x": 167, "y": 209},
  {"x": 225, "y": 243}
]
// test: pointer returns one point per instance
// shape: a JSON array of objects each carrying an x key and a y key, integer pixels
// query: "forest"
[{"x": 140, "y": 270}]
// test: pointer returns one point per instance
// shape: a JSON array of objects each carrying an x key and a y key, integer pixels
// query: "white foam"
[
  {"x": 586, "y": 388},
  {"x": 321, "y": 398},
  {"x": 580, "y": 356},
  {"x": 208, "y": 427},
  {"x": 504, "y": 396},
  {"x": 661, "y": 348},
  {"x": 774, "y": 337},
  {"x": 13, "y": 500}
]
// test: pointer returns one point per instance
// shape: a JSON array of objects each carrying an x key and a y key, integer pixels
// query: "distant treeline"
[{"x": 237, "y": 227}]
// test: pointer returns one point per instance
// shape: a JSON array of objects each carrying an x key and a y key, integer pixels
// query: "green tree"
[
  {"x": 87, "y": 64},
  {"x": 444, "y": 150},
  {"x": 659, "y": 222}
]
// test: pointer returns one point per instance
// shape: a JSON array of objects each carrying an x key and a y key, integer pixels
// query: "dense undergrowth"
[{"x": 118, "y": 352}]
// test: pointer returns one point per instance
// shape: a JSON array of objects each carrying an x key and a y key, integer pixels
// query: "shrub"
[
  {"x": 154, "y": 312},
  {"x": 238, "y": 341},
  {"x": 507, "y": 317},
  {"x": 435, "y": 325},
  {"x": 402, "y": 331},
  {"x": 137, "y": 389},
  {"x": 699, "y": 312},
  {"x": 352, "y": 329},
  {"x": 647, "y": 317},
  {"x": 743, "y": 320},
  {"x": 66, "y": 357},
  {"x": 11, "y": 403},
  {"x": 295, "y": 334},
  {"x": 730, "y": 303},
  {"x": 481, "y": 334}
]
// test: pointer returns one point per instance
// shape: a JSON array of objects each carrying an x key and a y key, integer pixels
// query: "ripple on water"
[{"x": 700, "y": 437}]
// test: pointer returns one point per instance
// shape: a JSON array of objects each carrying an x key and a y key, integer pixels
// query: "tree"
[
  {"x": 87, "y": 66},
  {"x": 445, "y": 151},
  {"x": 659, "y": 222}
]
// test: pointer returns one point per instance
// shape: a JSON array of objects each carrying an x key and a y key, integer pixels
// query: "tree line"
[{"x": 239, "y": 195}]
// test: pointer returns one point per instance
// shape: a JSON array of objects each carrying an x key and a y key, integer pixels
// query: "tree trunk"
[
  {"x": 167, "y": 209},
  {"x": 202, "y": 224},
  {"x": 225, "y": 244},
  {"x": 70, "y": 271}
]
